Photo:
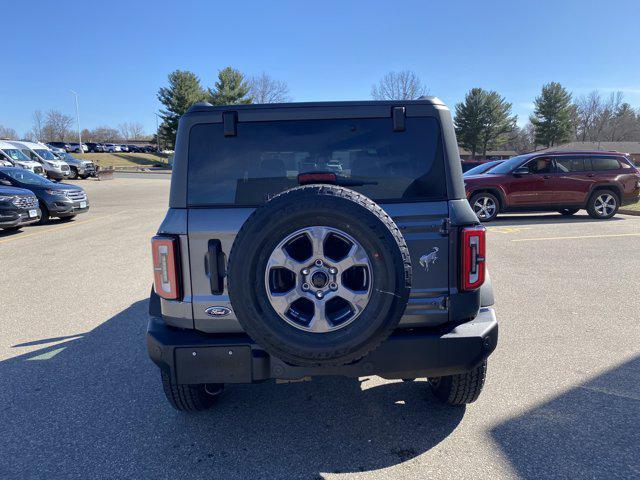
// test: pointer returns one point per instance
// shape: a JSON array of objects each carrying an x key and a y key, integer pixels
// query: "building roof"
[
  {"x": 490, "y": 153},
  {"x": 623, "y": 147}
]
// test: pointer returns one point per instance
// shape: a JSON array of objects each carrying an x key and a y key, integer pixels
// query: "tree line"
[
  {"x": 484, "y": 120},
  {"x": 232, "y": 87},
  {"x": 55, "y": 126}
]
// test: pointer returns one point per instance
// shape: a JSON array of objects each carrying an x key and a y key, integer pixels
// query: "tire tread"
[{"x": 462, "y": 388}]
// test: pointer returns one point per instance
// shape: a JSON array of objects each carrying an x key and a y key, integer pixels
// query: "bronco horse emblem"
[{"x": 429, "y": 258}]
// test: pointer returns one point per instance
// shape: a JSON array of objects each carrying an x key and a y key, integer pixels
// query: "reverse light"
[
  {"x": 473, "y": 262},
  {"x": 164, "y": 251}
]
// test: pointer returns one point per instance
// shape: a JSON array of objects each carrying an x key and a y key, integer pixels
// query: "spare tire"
[{"x": 319, "y": 275}]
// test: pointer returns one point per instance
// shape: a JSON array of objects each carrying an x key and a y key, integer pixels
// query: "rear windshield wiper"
[{"x": 332, "y": 179}]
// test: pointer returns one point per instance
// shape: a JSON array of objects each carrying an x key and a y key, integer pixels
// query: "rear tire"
[
  {"x": 460, "y": 389},
  {"x": 485, "y": 205},
  {"x": 603, "y": 204},
  {"x": 567, "y": 212},
  {"x": 190, "y": 398}
]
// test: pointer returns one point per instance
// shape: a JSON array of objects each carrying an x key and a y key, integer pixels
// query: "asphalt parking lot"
[{"x": 80, "y": 399}]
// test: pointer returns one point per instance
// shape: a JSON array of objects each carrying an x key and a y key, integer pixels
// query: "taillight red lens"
[
  {"x": 473, "y": 258},
  {"x": 318, "y": 177},
  {"x": 165, "y": 267}
]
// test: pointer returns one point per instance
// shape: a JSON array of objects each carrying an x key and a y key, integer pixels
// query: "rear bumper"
[{"x": 190, "y": 357}]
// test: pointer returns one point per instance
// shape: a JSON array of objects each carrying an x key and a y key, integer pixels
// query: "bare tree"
[
  {"x": 38, "y": 125},
  {"x": 131, "y": 130},
  {"x": 265, "y": 89},
  {"x": 404, "y": 85},
  {"x": 625, "y": 125},
  {"x": 588, "y": 109},
  {"x": 7, "y": 133},
  {"x": 137, "y": 131},
  {"x": 56, "y": 127},
  {"x": 104, "y": 134},
  {"x": 600, "y": 120},
  {"x": 123, "y": 129}
]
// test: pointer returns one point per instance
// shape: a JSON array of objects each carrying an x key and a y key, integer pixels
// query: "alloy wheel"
[
  {"x": 605, "y": 204},
  {"x": 318, "y": 279},
  {"x": 485, "y": 208}
]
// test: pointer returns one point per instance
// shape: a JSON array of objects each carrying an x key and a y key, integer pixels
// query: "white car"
[
  {"x": 39, "y": 152},
  {"x": 111, "y": 147},
  {"x": 75, "y": 148},
  {"x": 19, "y": 159}
]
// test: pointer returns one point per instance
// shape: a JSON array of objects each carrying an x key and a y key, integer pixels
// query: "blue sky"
[{"x": 117, "y": 54}]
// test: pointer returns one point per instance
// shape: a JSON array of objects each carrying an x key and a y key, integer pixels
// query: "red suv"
[{"x": 556, "y": 181}]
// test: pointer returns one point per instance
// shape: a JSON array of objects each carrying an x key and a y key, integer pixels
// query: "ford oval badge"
[{"x": 218, "y": 311}]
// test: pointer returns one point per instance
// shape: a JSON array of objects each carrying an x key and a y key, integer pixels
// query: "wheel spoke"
[
  {"x": 319, "y": 323},
  {"x": 358, "y": 300},
  {"x": 282, "y": 301},
  {"x": 317, "y": 235},
  {"x": 356, "y": 256},
  {"x": 280, "y": 258}
]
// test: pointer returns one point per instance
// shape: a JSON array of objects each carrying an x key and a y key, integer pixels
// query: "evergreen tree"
[
  {"x": 470, "y": 118},
  {"x": 552, "y": 116},
  {"x": 183, "y": 91},
  {"x": 230, "y": 89},
  {"x": 483, "y": 121},
  {"x": 498, "y": 121}
]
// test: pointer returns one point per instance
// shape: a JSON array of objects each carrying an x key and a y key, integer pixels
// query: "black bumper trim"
[{"x": 191, "y": 357}]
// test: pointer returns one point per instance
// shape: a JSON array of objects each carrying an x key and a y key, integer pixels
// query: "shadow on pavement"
[
  {"x": 93, "y": 407},
  {"x": 592, "y": 431}
]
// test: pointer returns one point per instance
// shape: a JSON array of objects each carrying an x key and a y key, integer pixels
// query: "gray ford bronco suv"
[{"x": 319, "y": 239}]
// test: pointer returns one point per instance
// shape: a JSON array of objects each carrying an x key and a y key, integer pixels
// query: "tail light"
[
  {"x": 165, "y": 267},
  {"x": 473, "y": 258}
]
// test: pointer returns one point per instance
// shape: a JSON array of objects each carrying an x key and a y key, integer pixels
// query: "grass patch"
[
  {"x": 633, "y": 206},
  {"x": 126, "y": 159}
]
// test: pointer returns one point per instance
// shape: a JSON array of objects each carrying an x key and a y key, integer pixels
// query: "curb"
[{"x": 629, "y": 212}]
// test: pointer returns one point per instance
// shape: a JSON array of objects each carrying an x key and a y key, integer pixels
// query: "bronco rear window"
[{"x": 265, "y": 158}]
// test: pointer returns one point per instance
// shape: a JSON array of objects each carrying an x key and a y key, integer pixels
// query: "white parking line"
[{"x": 577, "y": 237}]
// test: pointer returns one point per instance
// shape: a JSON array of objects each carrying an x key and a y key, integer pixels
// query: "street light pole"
[
  {"x": 157, "y": 134},
  {"x": 78, "y": 120}
]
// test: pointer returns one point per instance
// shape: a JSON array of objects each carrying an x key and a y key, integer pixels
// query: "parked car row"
[
  {"x": 566, "y": 182},
  {"x": 42, "y": 160},
  {"x": 92, "y": 147},
  {"x": 26, "y": 198}
]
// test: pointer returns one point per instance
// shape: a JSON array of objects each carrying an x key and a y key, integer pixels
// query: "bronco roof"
[{"x": 207, "y": 107}]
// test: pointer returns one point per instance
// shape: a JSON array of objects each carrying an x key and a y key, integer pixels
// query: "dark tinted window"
[
  {"x": 569, "y": 164},
  {"x": 604, "y": 163},
  {"x": 265, "y": 159}
]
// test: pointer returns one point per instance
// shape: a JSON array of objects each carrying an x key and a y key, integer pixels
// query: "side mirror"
[{"x": 521, "y": 171}]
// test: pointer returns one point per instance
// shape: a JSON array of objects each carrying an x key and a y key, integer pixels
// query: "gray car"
[
  {"x": 319, "y": 239},
  {"x": 79, "y": 168}
]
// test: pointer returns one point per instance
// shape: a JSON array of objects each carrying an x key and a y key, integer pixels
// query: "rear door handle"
[
  {"x": 215, "y": 266},
  {"x": 546, "y": 177}
]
